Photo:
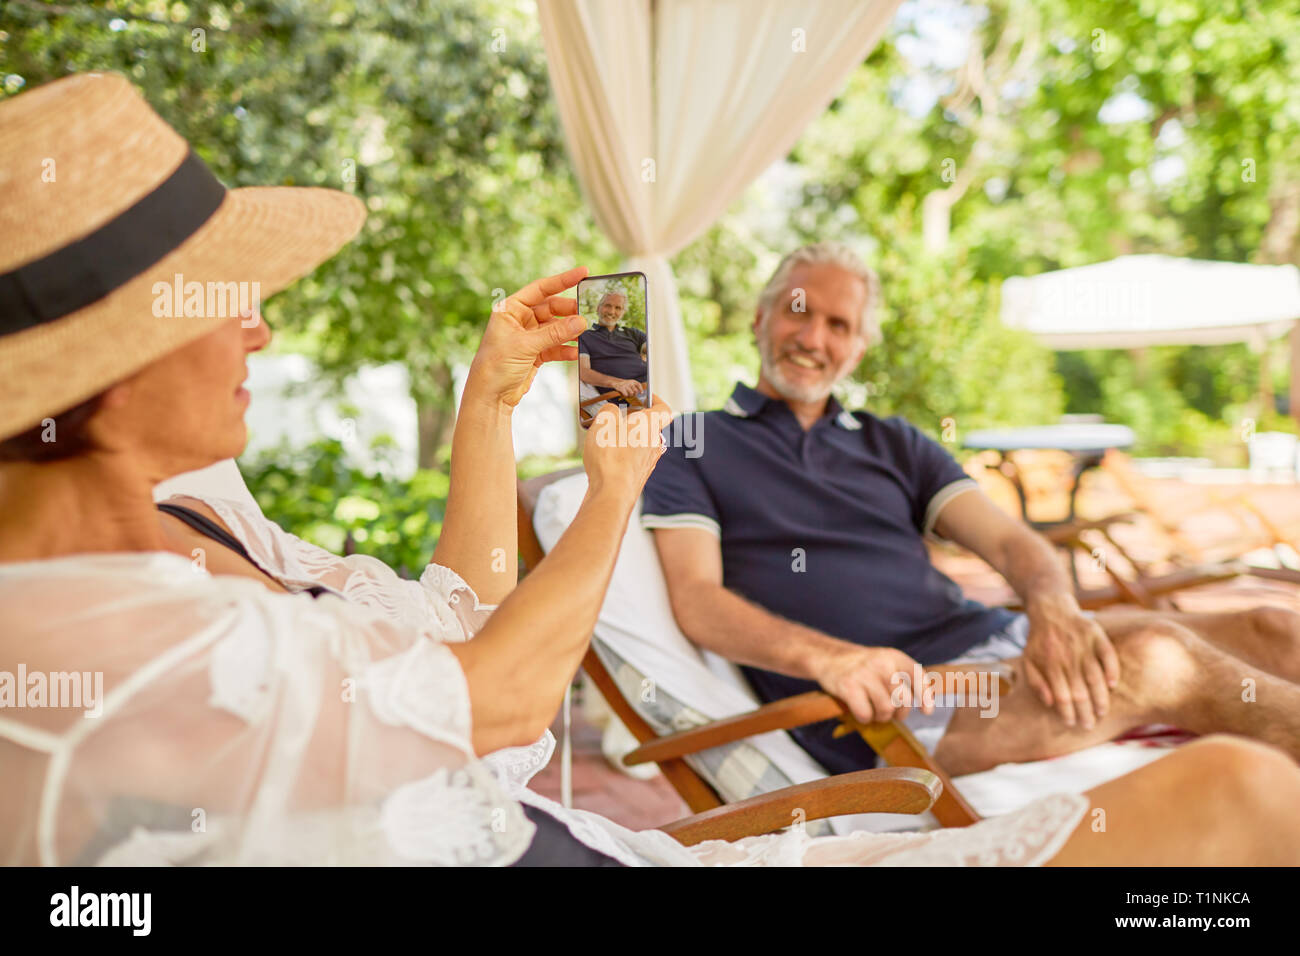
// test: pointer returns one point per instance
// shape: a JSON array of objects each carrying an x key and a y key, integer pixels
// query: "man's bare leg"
[
  {"x": 1267, "y": 637},
  {"x": 1168, "y": 675},
  {"x": 1218, "y": 801}
]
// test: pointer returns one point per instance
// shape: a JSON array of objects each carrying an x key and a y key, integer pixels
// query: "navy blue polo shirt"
[
  {"x": 824, "y": 527},
  {"x": 616, "y": 353}
]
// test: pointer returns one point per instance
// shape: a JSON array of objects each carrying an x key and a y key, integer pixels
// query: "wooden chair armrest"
[
  {"x": 786, "y": 714},
  {"x": 888, "y": 790},
  {"x": 602, "y": 397},
  {"x": 1066, "y": 532},
  {"x": 1274, "y": 574}
]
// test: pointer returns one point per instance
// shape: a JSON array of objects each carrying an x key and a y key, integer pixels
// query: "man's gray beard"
[{"x": 785, "y": 388}]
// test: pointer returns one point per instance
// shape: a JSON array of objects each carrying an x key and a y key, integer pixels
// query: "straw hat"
[{"x": 106, "y": 217}]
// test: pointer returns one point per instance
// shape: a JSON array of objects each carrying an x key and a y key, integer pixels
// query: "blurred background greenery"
[{"x": 1041, "y": 134}]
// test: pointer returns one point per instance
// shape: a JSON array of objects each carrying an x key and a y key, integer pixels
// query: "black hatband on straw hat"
[{"x": 86, "y": 270}]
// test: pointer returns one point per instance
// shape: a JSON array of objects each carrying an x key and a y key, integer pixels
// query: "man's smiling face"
[
  {"x": 611, "y": 310},
  {"x": 805, "y": 352}
]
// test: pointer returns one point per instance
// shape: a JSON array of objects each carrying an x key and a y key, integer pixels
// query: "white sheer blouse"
[{"x": 237, "y": 725}]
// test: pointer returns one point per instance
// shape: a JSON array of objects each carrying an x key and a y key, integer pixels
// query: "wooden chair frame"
[
  {"x": 1132, "y": 581},
  {"x": 585, "y": 416},
  {"x": 1266, "y": 535},
  {"x": 1140, "y": 587},
  {"x": 912, "y": 784}
]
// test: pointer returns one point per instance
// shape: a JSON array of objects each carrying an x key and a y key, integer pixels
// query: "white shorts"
[{"x": 1000, "y": 646}]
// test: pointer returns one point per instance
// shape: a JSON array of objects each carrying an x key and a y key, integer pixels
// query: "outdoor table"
[{"x": 1087, "y": 444}]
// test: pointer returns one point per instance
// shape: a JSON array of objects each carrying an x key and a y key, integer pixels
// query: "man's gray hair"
[
  {"x": 830, "y": 254},
  {"x": 622, "y": 295}
]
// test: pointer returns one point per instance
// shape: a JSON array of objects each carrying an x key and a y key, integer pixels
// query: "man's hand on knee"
[{"x": 1069, "y": 661}]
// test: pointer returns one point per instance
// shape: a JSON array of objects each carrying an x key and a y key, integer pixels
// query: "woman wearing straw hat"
[{"x": 191, "y": 684}]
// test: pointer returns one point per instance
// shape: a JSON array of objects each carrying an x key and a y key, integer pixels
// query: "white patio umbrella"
[
  {"x": 672, "y": 107},
  {"x": 1136, "y": 301}
]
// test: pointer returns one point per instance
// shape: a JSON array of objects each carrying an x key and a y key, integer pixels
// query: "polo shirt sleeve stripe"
[
  {"x": 685, "y": 520},
  {"x": 942, "y": 497}
]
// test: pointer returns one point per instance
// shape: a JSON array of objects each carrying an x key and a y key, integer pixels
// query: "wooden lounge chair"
[
  {"x": 875, "y": 790},
  {"x": 1252, "y": 528},
  {"x": 1134, "y": 580},
  {"x": 886, "y": 790},
  {"x": 585, "y": 415},
  {"x": 1131, "y": 581},
  {"x": 1192, "y": 565}
]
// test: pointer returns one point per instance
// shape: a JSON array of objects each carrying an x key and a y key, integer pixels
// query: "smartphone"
[{"x": 614, "y": 351}]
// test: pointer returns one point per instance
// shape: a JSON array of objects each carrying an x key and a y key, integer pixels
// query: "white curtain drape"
[{"x": 672, "y": 107}]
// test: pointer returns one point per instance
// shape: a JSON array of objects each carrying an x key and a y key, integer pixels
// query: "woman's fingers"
[
  {"x": 660, "y": 414},
  {"x": 659, "y": 407},
  {"x": 539, "y": 290},
  {"x": 558, "y": 353},
  {"x": 555, "y": 332},
  {"x": 555, "y": 305}
]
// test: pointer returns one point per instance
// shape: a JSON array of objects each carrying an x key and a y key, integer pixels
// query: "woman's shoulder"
[
  {"x": 276, "y": 551},
  {"x": 441, "y": 603},
  {"x": 203, "y": 508},
  {"x": 230, "y": 515}
]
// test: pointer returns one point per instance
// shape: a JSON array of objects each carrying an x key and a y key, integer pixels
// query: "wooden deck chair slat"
[{"x": 891, "y": 790}]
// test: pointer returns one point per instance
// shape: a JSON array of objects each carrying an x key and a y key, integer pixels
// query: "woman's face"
[{"x": 186, "y": 410}]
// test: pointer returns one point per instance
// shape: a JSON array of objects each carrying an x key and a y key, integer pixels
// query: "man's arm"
[
  {"x": 599, "y": 379},
  {"x": 1027, "y": 561},
  {"x": 1070, "y": 662},
  {"x": 725, "y": 623}
]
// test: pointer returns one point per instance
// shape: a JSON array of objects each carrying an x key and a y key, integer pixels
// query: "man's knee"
[
  {"x": 1161, "y": 646},
  {"x": 1274, "y": 623},
  {"x": 1158, "y": 664}
]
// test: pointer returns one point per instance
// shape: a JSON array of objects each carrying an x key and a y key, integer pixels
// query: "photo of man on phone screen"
[{"x": 613, "y": 359}]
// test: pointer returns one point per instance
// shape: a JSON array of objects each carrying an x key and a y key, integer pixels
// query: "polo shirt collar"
[{"x": 746, "y": 402}]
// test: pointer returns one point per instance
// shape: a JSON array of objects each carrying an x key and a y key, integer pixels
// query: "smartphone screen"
[{"x": 614, "y": 351}]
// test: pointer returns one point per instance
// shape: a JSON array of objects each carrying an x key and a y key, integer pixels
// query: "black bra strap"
[
  {"x": 210, "y": 529},
  {"x": 207, "y": 527}
]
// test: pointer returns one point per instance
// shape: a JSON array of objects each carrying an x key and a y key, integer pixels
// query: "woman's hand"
[
  {"x": 621, "y": 450},
  {"x": 526, "y": 330},
  {"x": 519, "y": 664}
]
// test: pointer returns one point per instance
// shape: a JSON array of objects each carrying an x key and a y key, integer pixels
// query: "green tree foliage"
[
  {"x": 944, "y": 354},
  {"x": 1074, "y": 132},
  {"x": 315, "y": 493}
]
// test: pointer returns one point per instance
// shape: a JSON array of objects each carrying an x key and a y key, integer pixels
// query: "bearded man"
[{"x": 794, "y": 545}]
